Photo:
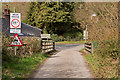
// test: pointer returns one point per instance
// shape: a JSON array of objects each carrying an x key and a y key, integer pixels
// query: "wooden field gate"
[{"x": 47, "y": 45}]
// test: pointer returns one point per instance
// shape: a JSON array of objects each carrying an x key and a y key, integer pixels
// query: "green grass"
[
  {"x": 69, "y": 42},
  {"x": 82, "y": 49},
  {"x": 21, "y": 67},
  {"x": 93, "y": 63},
  {"x": 102, "y": 67}
]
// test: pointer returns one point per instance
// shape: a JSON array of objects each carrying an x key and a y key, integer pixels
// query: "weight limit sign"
[
  {"x": 15, "y": 23},
  {"x": 15, "y": 20}
]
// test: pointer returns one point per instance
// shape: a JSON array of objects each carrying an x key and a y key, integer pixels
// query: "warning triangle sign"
[{"x": 16, "y": 41}]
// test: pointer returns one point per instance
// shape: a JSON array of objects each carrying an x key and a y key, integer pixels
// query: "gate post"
[
  {"x": 53, "y": 45},
  {"x": 41, "y": 45}
]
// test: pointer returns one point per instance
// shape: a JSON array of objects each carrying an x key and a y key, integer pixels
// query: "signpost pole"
[
  {"x": 15, "y": 30},
  {"x": 85, "y": 34},
  {"x": 15, "y": 50},
  {"x": 14, "y": 9}
]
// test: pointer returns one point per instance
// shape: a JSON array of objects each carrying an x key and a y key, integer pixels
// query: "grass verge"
[
  {"x": 69, "y": 42},
  {"x": 19, "y": 67},
  {"x": 102, "y": 67},
  {"x": 82, "y": 50}
]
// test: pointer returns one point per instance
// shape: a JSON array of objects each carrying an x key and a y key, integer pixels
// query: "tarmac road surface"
[{"x": 67, "y": 63}]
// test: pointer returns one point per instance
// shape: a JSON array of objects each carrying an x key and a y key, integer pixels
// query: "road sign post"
[
  {"x": 15, "y": 27},
  {"x": 16, "y": 42},
  {"x": 15, "y": 50},
  {"x": 15, "y": 30},
  {"x": 15, "y": 22}
]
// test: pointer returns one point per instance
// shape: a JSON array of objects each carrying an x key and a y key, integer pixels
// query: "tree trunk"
[{"x": 45, "y": 28}]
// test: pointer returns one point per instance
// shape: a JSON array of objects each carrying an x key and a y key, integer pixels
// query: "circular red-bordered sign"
[{"x": 17, "y": 25}]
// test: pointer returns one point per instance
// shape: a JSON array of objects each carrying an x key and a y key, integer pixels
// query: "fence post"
[
  {"x": 53, "y": 45},
  {"x": 41, "y": 45}
]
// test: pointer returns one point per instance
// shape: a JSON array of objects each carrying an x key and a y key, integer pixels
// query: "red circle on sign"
[{"x": 15, "y": 26}]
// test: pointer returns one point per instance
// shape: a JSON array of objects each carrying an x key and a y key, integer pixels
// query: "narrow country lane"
[{"x": 68, "y": 63}]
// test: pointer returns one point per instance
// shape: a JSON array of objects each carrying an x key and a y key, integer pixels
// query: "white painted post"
[
  {"x": 15, "y": 50},
  {"x": 15, "y": 46},
  {"x": 14, "y": 9}
]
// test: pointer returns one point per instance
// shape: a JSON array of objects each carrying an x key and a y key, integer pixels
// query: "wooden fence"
[
  {"x": 89, "y": 47},
  {"x": 47, "y": 45}
]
